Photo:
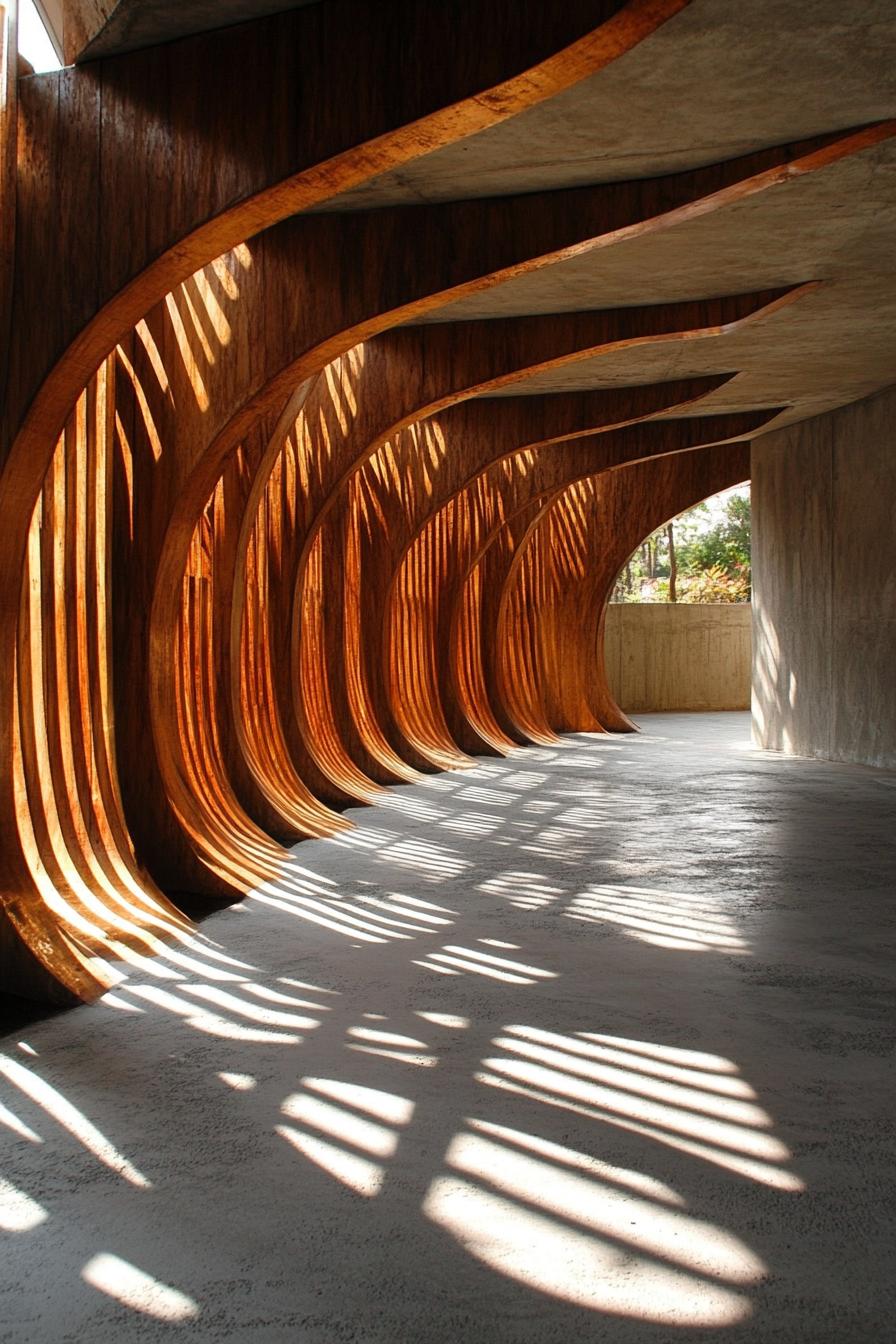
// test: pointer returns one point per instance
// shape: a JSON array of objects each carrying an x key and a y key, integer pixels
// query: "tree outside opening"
[{"x": 703, "y": 555}]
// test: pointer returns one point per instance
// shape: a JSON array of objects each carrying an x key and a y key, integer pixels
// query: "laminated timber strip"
[{"x": 217, "y": 408}]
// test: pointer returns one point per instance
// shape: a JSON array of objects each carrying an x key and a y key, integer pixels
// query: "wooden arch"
[{"x": 272, "y": 537}]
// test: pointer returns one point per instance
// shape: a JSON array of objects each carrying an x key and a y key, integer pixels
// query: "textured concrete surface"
[
  {"x": 592, "y": 1044},
  {"x": 678, "y": 655},
  {"x": 109, "y": 27},
  {"x": 716, "y": 81},
  {"x": 824, "y": 575},
  {"x": 832, "y": 346}
]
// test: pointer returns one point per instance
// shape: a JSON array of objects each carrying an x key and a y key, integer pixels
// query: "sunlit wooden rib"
[
  {"x": 411, "y": 477},
  {"x": 489, "y": 520},
  {"x": 434, "y": 274},
  {"x": 266, "y": 546},
  {"x": 500, "y": 81},
  {"x": 555, "y": 600}
]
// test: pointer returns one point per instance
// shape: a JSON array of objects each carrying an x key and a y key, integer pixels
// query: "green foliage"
[
  {"x": 712, "y": 558},
  {"x": 725, "y": 546},
  {"x": 715, "y": 585}
]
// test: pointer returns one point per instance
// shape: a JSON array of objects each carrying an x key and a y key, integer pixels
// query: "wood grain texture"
[
  {"x": 560, "y": 587},
  {"x": 144, "y": 117},
  {"x": 334, "y": 410},
  {"x": 272, "y": 540},
  {"x": 8, "y": 144},
  {"x": 527, "y": 490}
]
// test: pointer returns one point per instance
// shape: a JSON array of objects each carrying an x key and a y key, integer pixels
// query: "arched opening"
[{"x": 678, "y": 627}]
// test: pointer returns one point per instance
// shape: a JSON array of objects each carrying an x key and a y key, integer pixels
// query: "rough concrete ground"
[{"x": 591, "y": 1044}]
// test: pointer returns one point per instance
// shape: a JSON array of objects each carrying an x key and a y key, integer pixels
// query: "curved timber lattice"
[{"x": 277, "y": 533}]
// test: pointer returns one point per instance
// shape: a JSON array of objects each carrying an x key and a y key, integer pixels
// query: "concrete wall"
[
  {"x": 678, "y": 656},
  {"x": 824, "y": 585}
]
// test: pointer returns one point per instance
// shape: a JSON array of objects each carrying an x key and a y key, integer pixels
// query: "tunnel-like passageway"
[{"x": 593, "y": 1043}]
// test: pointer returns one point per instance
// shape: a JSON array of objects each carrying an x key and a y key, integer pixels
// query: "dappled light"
[
  {"x": 240, "y": 1082},
  {"x": 558, "y": 1221},
  {"x": 663, "y": 918},
  {"x": 506, "y": 1076},
  {"x": 525, "y": 890},
  {"x": 551, "y": 1063},
  {"x": 476, "y": 962},
  {"x": 358, "y": 1121},
  {"x": 372, "y": 976},
  {"x": 63, "y": 1112},
  {"x": 139, "y": 1291},
  {"x": 18, "y": 1211},
  {"x": 775, "y": 686}
]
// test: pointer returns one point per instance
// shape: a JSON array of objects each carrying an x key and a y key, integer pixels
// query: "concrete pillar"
[{"x": 824, "y": 585}]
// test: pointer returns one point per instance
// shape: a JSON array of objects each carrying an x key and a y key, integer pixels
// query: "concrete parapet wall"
[
  {"x": 824, "y": 585},
  {"x": 666, "y": 656}
]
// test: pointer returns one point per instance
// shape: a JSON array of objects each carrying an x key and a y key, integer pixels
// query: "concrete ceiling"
[
  {"x": 110, "y": 27},
  {"x": 718, "y": 80},
  {"x": 834, "y": 345}
]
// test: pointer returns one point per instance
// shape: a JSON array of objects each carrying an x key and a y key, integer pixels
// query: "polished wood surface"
[
  {"x": 8, "y": 142},
  {"x": 274, "y": 538}
]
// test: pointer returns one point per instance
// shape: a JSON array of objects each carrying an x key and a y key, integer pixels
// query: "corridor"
[{"x": 594, "y": 1043}]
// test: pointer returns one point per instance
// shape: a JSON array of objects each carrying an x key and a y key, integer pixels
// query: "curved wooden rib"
[
  {"x": 511, "y": 228},
  {"x": 416, "y": 474},
  {"x": 330, "y": 553},
  {"x": 433, "y": 267},
  {"x": 633, "y": 503},
  {"x": 499, "y": 511},
  {"x": 563, "y": 581},
  {"x": 417, "y": 373},
  {"x": 145, "y": 108},
  {"x": 71, "y": 820},
  {"x": 497, "y": 90}
]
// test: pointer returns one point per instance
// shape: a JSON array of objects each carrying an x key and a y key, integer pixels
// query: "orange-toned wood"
[
  {"x": 504, "y": 648},
  {"x": 81, "y": 21},
  {"x": 633, "y": 503},
  {"x": 408, "y": 589},
  {"x": 262, "y": 549},
  {"x": 8, "y": 143},
  {"x": 563, "y": 580},
  {"x": 416, "y": 372},
  {"x": 330, "y": 247},
  {"x": 206, "y": 340},
  {"x": 414, "y": 475},
  {"x": 87, "y": 893},
  {"x": 147, "y": 117},
  {"x": 73, "y": 138}
]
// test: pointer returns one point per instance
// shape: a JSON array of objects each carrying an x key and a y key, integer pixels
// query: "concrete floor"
[{"x": 591, "y": 1044}]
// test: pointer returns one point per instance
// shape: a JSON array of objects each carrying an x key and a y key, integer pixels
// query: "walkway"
[{"x": 593, "y": 1044}]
